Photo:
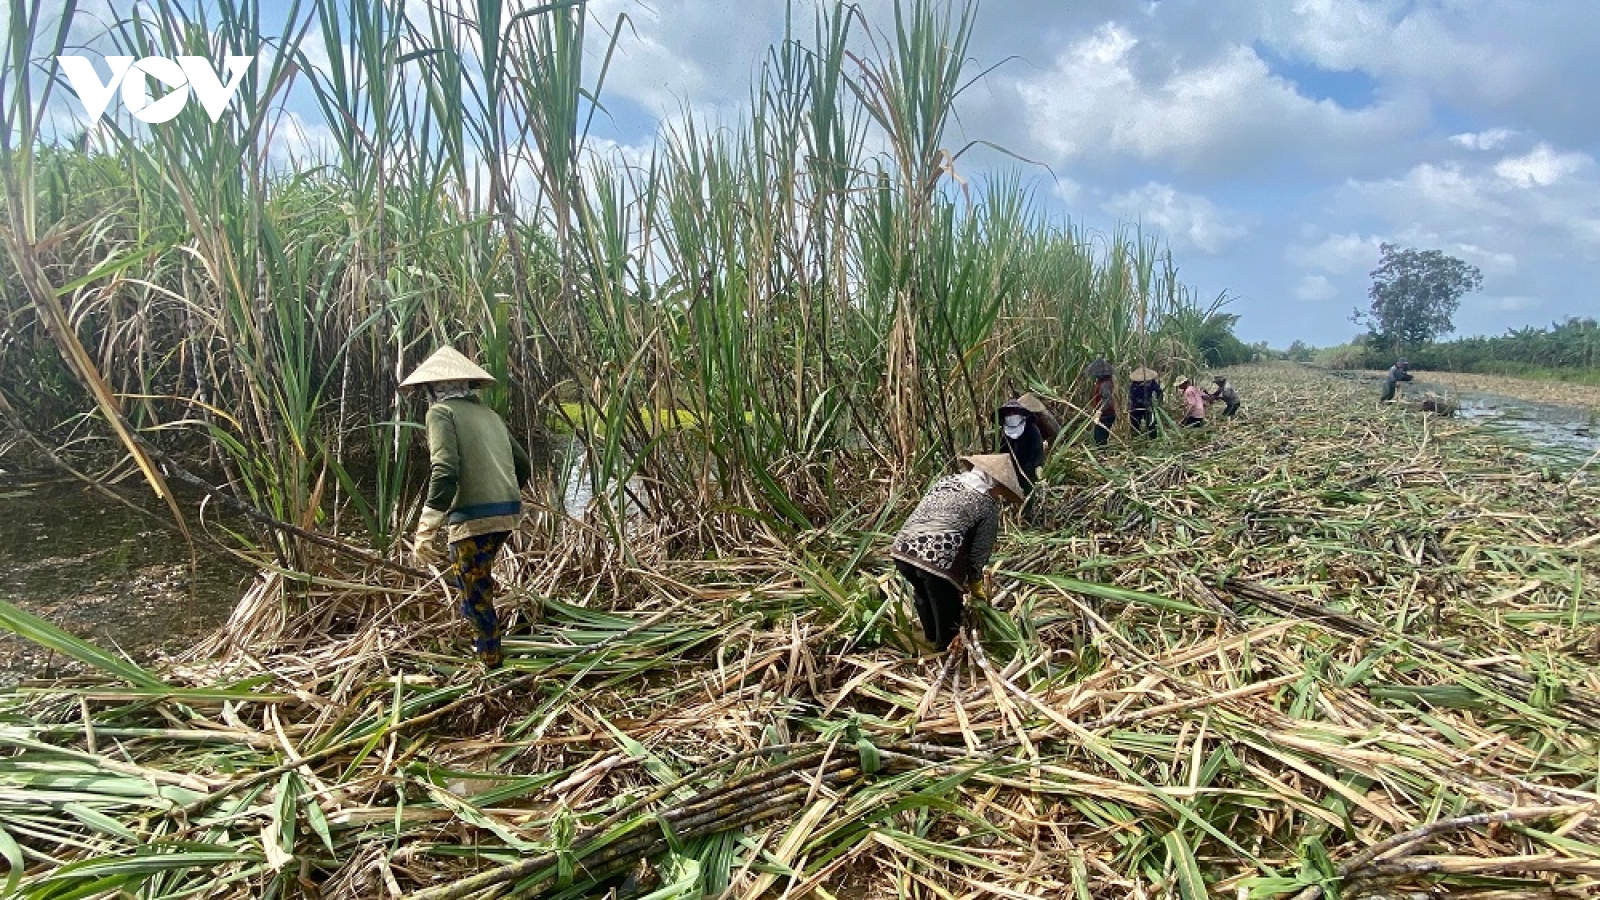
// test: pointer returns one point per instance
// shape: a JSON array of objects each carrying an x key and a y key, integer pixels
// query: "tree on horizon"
[{"x": 1415, "y": 295}]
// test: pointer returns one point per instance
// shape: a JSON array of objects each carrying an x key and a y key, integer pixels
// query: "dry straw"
[{"x": 1333, "y": 649}]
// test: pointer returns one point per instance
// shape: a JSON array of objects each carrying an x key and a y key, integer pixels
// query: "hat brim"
[
  {"x": 447, "y": 364},
  {"x": 1031, "y": 403},
  {"x": 999, "y": 467}
]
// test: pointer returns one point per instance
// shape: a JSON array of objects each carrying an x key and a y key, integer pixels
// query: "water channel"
[{"x": 1561, "y": 435}]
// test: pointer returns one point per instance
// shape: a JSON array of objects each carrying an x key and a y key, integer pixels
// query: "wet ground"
[
  {"x": 1558, "y": 423},
  {"x": 102, "y": 572},
  {"x": 1556, "y": 426},
  {"x": 117, "y": 578}
]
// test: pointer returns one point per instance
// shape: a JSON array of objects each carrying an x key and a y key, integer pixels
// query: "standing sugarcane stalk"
[{"x": 21, "y": 115}]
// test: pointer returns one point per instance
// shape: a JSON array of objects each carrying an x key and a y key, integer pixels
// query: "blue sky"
[{"x": 1274, "y": 144}]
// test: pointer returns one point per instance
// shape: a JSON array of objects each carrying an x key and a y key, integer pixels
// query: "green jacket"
[{"x": 476, "y": 470}]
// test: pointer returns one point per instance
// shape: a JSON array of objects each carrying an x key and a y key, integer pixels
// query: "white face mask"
[
  {"x": 978, "y": 480},
  {"x": 1013, "y": 424}
]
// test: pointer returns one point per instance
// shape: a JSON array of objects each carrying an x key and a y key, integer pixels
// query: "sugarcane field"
[{"x": 430, "y": 471}]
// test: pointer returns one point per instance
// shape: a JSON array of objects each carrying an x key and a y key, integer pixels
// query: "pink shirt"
[{"x": 1194, "y": 404}]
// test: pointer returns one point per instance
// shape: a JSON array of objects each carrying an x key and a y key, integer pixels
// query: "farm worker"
[
  {"x": 1102, "y": 401},
  {"x": 1194, "y": 405},
  {"x": 475, "y": 481},
  {"x": 1226, "y": 394},
  {"x": 1144, "y": 393},
  {"x": 1027, "y": 430},
  {"x": 946, "y": 541},
  {"x": 1397, "y": 373}
]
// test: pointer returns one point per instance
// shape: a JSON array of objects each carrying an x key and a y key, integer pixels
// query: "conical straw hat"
[
  {"x": 447, "y": 365},
  {"x": 997, "y": 466},
  {"x": 1031, "y": 403},
  {"x": 1028, "y": 403},
  {"x": 1143, "y": 374}
]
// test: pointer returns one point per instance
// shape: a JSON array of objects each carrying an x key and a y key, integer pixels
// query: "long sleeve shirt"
[
  {"x": 476, "y": 471},
  {"x": 1104, "y": 402},
  {"x": 951, "y": 533},
  {"x": 1144, "y": 395},
  {"x": 1226, "y": 394},
  {"x": 1194, "y": 403},
  {"x": 1026, "y": 452}
]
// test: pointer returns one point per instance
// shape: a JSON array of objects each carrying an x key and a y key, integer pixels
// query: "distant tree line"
[
  {"x": 1565, "y": 349},
  {"x": 1570, "y": 345},
  {"x": 1219, "y": 346},
  {"x": 1415, "y": 294}
]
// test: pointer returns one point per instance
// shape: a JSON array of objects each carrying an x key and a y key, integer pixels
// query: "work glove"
[
  {"x": 979, "y": 589},
  {"x": 425, "y": 547}
]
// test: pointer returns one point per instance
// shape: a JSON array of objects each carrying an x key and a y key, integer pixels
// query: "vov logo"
[{"x": 180, "y": 76}]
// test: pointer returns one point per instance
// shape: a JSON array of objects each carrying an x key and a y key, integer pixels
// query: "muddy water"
[
  {"x": 104, "y": 573},
  {"x": 1560, "y": 434}
]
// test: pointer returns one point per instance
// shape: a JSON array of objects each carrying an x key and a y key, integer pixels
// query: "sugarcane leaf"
[
  {"x": 318, "y": 820},
  {"x": 1109, "y": 592},
  {"x": 681, "y": 875},
  {"x": 99, "y": 821},
  {"x": 41, "y": 632},
  {"x": 779, "y": 498},
  {"x": 652, "y": 763},
  {"x": 1191, "y": 884},
  {"x": 12, "y": 854},
  {"x": 465, "y": 811}
]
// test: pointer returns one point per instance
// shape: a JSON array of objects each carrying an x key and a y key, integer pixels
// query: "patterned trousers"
[{"x": 472, "y": 560}]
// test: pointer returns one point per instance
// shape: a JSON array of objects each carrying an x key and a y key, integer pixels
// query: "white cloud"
[
  {"x": 1447, "y": 187},
  {"x": 632, "y": 156},
  {"x": 1540, "y": 167},
  {"x": 1109, "y": 96},
  {"x": 671, "y": 53},
  {"x": 298, "y": 142},
  {"x": 1330, "y": 33},
  {"x": 1492, "y": 139},
  {"x": 1404, "y": 42},
  {"x": 1337, "y": 253},
  {"x": 1490, "y": 260},
  {"x": 1315, "y": 289},
  {"x": 1188, "y": 221},
  {"x": 1491, "y": 213},
  {"x": 1066, "y": 190}
]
